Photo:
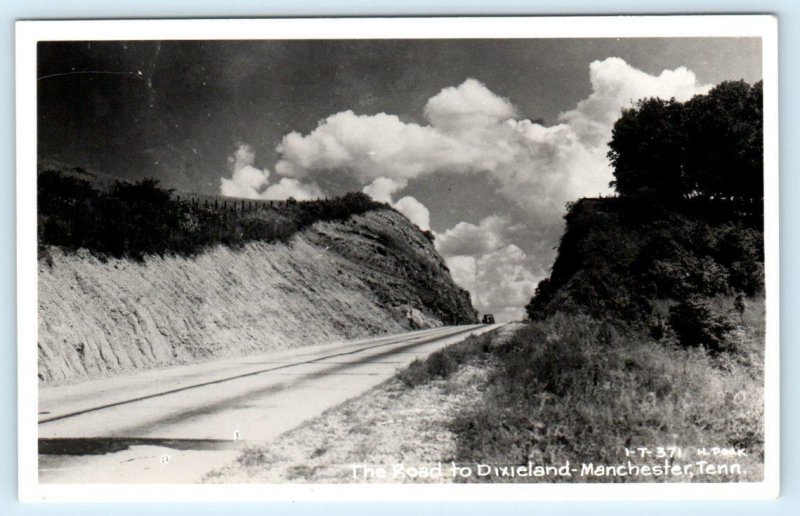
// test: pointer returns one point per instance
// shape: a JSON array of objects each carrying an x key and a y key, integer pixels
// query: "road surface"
[{"x": 175, "y": 424}]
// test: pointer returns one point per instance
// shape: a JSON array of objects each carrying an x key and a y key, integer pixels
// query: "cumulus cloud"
[
  {"x": 367, "y": 147},
  {"x": 500, "y": 276},
  {"x": 246, "y": 180},
  {"x": 250, "y": 182},
  {"x": 504, "y": 282},
  {"x": 467, "y": 106},
  {"x": 382, "y": 189},
  {"x": 415, "y": 211},
  {"x": 471, "y": 129},
  {"x": 463, "y": 270},
  {"x": 615, "y": 85},
  {"x": 472, "y": 239},
  {"x": 288, "y": 187}
]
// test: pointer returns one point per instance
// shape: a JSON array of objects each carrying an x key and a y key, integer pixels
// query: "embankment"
[{"x": 370, "y": 274}]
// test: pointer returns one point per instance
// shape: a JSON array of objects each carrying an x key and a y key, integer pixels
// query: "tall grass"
[
  {"x": 441, "y": 364},
  {"x": 570, "y": 388}
]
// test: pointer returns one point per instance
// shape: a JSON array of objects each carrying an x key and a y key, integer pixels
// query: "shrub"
[
  {"x": 443, "y": 363},
  {"x": 139, "y": 219},
  {"x": 699, "y": 323},
  {"x": 618, "y": 257}
]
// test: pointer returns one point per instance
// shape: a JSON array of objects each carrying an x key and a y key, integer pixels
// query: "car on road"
[{"x": 488, "y": 319}]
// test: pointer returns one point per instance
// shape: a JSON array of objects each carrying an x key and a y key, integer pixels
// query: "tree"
[
  {"x": 709, "y": 147},
  {"x": 647, "y": 150},
  {"x": 536, "y": 307},
  {"x": 724, "y": 155}
]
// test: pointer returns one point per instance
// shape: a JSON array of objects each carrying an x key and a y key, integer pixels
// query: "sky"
[{"x": 481, "y": 141}]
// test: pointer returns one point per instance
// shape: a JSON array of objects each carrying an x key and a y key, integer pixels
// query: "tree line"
[
  {"x": 709, "y": 147},
  {"x": 138, "y": 219}
]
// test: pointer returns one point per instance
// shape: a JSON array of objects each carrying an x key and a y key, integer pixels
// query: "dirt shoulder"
[{"x": 391, "y": 426}]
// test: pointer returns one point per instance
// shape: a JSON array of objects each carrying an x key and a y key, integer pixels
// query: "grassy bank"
[{"x": 569, "y": 388}]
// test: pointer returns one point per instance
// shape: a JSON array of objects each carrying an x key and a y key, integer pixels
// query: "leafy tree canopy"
[{"x": 709, "y": 147}]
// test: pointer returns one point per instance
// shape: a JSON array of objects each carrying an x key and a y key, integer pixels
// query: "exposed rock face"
[
  {"x": 399, "y": 264},
  {"x": 374, "y": 273}
]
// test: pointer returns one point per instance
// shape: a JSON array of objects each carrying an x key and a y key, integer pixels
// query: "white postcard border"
[{"x": 28, "y": 33}]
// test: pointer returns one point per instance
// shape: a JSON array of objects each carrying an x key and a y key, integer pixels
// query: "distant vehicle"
[{"x": 488, "y": 319}]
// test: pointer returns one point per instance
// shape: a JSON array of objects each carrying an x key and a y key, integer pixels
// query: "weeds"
[
  {"x": 570, "y": 388},
  {"x": 443, "y": 363}
]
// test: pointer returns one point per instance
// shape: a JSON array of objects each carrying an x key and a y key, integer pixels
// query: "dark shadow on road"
[
  {"x": 103, "y": 445},
  {"x": 415, "y": 342},
  {"x": 238, "y": 400}
]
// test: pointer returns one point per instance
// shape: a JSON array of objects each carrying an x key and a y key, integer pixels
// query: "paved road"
[{"x": 175, "y": 424}]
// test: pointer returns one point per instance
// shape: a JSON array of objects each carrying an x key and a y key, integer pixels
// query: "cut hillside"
[
  {"x": 681, "y": 248},
  {"x": 353, "y": 272},
  {"x": 629, "y": 259}
]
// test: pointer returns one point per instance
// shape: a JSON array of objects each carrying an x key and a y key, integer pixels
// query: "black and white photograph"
[{"x": 465, "y": 254}]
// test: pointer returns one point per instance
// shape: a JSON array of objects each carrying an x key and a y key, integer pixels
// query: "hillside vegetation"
[
  {"x": 641, "y": 263},
  {"x": 568, "y": 388},
  {"x": 123, "y": 219}
]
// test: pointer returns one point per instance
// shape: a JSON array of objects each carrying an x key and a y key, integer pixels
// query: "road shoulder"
[{"x": 392, "y": 426}]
